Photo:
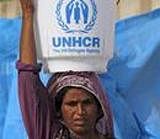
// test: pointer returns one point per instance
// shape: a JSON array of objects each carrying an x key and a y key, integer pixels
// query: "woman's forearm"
[{"x": 27, "y": 42}]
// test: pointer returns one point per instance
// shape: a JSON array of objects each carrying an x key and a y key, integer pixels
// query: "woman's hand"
[{"x": 27, "y": 7}]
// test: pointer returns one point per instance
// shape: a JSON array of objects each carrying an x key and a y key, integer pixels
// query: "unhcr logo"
[
  {"x": 76, "y": 15},
  {"x": 78, "y": 42}
]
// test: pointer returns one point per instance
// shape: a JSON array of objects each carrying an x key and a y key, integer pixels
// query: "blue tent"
[{"x": 132, "y": 80}]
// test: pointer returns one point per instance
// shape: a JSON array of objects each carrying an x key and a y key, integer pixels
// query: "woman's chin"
[{"x": 80, "y": 130}]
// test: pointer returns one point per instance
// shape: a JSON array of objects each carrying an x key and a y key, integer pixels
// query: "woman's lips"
[{"x": 79, "y": 122}]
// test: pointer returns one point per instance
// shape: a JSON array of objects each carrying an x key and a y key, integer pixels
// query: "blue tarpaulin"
[{"x": 132, "y": 80}]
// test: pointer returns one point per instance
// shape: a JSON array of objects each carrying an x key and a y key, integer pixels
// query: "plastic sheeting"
[{"x": 132, "y": 80}]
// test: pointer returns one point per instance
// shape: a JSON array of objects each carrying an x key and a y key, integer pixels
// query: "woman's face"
[{"x": 79, "y": 111}]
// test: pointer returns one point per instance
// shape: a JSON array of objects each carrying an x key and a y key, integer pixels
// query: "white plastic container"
[{"x": 75, "y": 35}]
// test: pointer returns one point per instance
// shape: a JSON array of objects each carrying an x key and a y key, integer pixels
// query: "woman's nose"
[{"x": 80, "y": 109}]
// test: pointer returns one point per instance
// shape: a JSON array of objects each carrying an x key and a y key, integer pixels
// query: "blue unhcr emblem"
[{"x": 76, "y": 15}]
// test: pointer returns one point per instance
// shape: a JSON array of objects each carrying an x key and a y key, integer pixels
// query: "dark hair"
[{"x": 59, "y": 98}]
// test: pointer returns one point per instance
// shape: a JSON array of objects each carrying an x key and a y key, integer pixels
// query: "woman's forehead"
[{"x": 78, "y": 93}]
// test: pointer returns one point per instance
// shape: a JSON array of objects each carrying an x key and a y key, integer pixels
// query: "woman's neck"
[{"x": 90, "y": 135}]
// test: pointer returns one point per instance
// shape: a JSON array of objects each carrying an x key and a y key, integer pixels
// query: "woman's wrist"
[{"x": 27, "y": 16}]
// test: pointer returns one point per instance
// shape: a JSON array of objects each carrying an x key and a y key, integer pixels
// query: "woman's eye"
[
  {"x": 72, "y": 103},
  {"x": 87, "y": 102}
]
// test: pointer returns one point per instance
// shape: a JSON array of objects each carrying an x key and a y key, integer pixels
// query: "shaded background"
[{"x": 132, "y": 80}]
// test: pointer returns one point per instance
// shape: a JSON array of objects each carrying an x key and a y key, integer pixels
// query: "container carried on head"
[{"x": 74, "y": 35}]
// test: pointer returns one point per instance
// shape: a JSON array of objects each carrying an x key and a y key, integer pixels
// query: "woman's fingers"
[{"x": 27, "y": 5}]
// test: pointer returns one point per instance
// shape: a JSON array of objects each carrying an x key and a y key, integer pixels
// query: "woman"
[{"x": 72, "y": 106}]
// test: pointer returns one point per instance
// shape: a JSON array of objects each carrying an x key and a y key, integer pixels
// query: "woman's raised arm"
[{"x": 27, "y": 42}]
